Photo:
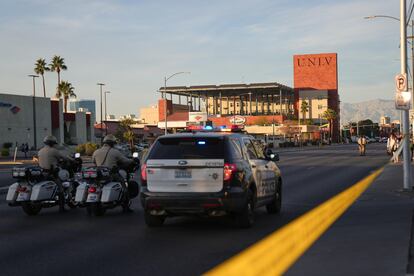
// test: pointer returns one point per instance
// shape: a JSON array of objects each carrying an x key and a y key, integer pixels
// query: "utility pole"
[
  {"x": 412, "y": 76},
  {"x": 165, "y": 98},
  {"x": 405, "y": 113},
  {"x": 106, "y": 128},
  {"x": 100, "y": 86},
  {"x": 34, "y": 111}
]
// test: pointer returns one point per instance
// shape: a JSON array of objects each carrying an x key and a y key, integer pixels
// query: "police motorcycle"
[
  {"x": 101, "y": 188},
  {"x": 36, "y": 188}
]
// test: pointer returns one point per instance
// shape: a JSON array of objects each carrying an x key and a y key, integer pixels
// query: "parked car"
[{"x": 209, "y": 174}]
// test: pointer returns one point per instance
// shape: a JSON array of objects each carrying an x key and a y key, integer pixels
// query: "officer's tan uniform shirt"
[
  {"x": 50, "y": 156},
  {"x": 113, "y": 157}
]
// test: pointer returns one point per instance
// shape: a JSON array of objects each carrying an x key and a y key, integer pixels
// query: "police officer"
[
  {"x": 108, "y": 156},
  {"x": 49, "y": 158}
]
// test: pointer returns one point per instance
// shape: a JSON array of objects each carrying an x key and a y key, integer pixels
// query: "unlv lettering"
[{"x": 314, "y": 61}]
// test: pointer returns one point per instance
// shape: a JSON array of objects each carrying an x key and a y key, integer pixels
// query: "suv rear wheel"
[
  {"x": 153, "y": 221},
  {"x": 245, "y": 218},
  {"x": 276, "y": 205}
]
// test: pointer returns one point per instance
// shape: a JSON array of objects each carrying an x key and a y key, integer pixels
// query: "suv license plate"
[{"x": 182, "y": 174}]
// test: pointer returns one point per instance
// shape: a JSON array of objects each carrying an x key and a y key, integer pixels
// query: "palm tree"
[
  {"x": 304, "y": 108},
  {"x": 330, "y": 115},
  {"x": 57, "y": 65},
  {"x": 40, "y": 69},
  {"x": 65, "y": 91},
  {"x": 128, "y": 134}
]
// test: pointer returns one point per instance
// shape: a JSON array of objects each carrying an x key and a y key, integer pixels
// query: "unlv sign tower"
[{"x": 316, "y": 82}]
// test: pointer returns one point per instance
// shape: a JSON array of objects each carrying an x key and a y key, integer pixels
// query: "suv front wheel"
[{"x": 275, "y": 206}]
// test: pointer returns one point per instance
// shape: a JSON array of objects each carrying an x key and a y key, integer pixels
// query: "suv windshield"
[{"x": 188, "y": 148}]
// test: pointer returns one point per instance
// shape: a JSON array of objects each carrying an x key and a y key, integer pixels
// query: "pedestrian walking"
[
  {"x": 26, "y": 149},
  {"x": 362, "y": 144},
  {"x": 392, "y": 146}
]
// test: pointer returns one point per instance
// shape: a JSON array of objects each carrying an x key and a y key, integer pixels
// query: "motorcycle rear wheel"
[
  {"x": 31, "y": 209},
  {"x": 96, "y": 209}
]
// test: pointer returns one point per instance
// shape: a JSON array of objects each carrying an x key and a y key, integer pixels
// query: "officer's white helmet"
[
  {"x": 50, "y": 140},
  {"x": 109, "y": 139}
]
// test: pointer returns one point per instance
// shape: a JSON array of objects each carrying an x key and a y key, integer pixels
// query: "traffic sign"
[
  {"x": 402, "y": 100},
  {"x": 401, "y": 82}
]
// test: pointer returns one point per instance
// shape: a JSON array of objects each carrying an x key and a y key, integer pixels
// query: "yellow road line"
[{"x": 277, "y": 252}]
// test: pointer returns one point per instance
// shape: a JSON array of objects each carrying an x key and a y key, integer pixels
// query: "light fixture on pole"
[
  {"x": 165, "y": 97},
  {"x": 100, "y": 86},
  {"x": 34, "y": 111}
]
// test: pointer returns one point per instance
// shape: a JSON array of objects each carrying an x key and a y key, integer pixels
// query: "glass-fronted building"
[{"x": 85, "y": 105}]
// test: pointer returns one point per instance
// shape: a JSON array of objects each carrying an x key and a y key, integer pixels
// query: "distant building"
[
  {"x": 19, "y": 125},
  {"x": 83, "y": 105},
  {"x": 149, "y": 115},
  {"x": 111, "y": 117},
  {"x": 128, "y": 116},
  {"x": 385, "y": 120}
]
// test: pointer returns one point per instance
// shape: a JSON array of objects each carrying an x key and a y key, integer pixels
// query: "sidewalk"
[{"x": 371, "y": 238}]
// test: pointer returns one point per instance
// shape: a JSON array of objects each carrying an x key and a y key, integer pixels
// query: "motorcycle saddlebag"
[
  {"x": 11, "y": 193},
  {"x": 45, "y": 190},
  {"x": 81, "y": 192},
  {"x": 111, "y": 192}
]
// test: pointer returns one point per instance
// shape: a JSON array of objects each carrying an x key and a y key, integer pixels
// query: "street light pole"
[
  {"x": 405, "y": 113},
  {"x": 165, "y": 97},
  {"x": 34, "y": 111},
  {"x": 412, "y": 76},
  {"x": 106, "y": 116},
  {"x": 100, "y": 86}
]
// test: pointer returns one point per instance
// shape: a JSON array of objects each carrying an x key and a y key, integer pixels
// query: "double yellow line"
[{"x": 276, "y": 253}]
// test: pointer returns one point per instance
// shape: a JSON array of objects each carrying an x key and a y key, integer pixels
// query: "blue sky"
[{"x": 132, "y": 45}]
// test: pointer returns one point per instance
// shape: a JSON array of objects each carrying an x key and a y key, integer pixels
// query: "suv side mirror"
[{"x": 272, "y": 156}]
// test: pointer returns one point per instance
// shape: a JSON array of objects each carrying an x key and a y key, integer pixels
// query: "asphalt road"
[
  {"x": 5, "y": 175},
  {"x": 117, "y": 243}
]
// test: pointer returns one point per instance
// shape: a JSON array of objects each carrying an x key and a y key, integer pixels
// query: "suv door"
[
  {"x": 269, "y": 171},
  {"x": 257, "y": 165}
]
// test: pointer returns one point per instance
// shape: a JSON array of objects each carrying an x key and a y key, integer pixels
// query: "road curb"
[{"x": 10, "y": 163}]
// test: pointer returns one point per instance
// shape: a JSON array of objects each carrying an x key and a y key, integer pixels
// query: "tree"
[
  {"x": 57, "y": 65},
  {"x": 65, "y": 91},
  {"x": 330, "y": 115},
  {"x": 304, "y": 108},
  {"x": 126, "y": 130},
  {"x": 40, "y": 69}
]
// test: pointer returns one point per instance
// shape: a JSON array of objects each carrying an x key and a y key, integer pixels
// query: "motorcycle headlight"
[{"x": 63, "y": 175}]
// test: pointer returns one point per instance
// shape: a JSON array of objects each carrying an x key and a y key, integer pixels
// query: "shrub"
[
  {"x": 7, "y": 145},
  {"x": 90, "y": 148},
  {"x": 80, "y": 148},
  {"x": 4, "y": 152}
]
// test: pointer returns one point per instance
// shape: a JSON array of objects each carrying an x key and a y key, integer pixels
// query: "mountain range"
[{"x": 373, "y": 110}]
